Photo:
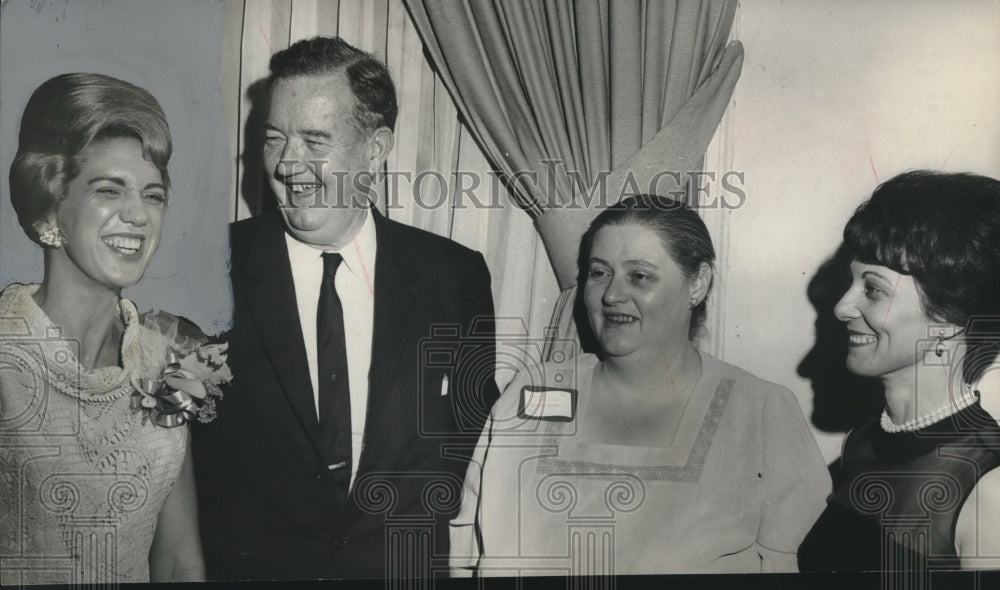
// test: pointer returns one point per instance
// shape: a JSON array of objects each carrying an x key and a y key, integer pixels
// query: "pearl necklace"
[{"x": 969, "y": 396}]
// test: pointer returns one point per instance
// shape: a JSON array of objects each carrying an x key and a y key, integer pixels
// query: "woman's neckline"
[
  {"x": 679, "y": 437},
  {"x": 968, "y": 397},
  {"x": 43, "y": 325},
  {"x": 904, "y": 446}
]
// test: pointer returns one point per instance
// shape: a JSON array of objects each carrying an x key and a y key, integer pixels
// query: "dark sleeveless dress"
[{"x": 897, "y": 504}]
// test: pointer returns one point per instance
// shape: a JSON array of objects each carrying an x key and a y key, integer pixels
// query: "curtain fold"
[{"x": 576, "y": 103}]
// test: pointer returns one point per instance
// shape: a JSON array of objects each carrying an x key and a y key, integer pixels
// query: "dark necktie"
[{"x": 334, "y": 390}]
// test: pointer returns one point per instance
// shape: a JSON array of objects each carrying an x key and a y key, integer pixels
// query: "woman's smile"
[
  {"x": 619, "y": 319},
  {"x": 127, "y": 245},
  {"x": 856, "y": 339}
]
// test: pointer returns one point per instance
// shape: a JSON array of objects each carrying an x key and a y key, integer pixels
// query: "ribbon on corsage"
[{"x": 178, "y": 378}]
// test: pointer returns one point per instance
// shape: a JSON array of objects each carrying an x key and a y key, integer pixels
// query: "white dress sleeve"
[
  {"x": 796, "y": 482},
  {"x": 464, "y": 528}
]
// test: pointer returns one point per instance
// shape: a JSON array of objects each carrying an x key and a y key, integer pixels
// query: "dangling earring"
[
  {"x": 939, "y": 347},
  {"x": 52, "y": 238}
]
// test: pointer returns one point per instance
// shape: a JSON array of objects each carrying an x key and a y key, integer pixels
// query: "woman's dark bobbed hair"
[
  {"x": 944, "y": 230},
  {"x": 63, "y": 116},
  {"x": 680, "y": 229}
]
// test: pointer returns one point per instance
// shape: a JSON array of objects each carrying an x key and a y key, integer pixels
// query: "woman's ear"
[{"x": 702, "y": 283}]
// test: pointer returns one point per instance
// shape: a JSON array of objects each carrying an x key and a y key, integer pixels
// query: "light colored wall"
[
  {"x": 171, "y": 50},
  {"x": 834, "y": 97}
]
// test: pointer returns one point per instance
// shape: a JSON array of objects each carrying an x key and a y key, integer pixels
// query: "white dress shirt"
[{"x": 355, "y": 284}]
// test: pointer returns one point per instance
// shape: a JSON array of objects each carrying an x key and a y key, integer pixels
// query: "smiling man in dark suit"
[{"x": 362, "y": 351}]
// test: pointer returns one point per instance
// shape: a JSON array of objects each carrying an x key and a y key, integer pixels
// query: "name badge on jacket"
[{"x": 547, "y": 403}]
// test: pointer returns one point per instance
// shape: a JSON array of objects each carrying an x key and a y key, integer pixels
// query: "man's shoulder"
[
  {"x": 416, "y": 245},
  {"x": 416, "y": 239},
  {"x": 245, "y": 229},
  {"x": 249, "y": 237}
]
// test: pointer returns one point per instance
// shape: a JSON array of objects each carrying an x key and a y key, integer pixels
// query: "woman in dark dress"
[{"x": 920, "y": 489}]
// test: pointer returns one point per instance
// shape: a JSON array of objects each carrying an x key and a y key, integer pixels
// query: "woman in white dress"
[
  {"x": 96, "y": 483},
  {"x": 650, "y": 457}
]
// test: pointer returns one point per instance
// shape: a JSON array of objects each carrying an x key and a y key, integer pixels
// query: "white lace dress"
[{"x": 82, "y": 479}]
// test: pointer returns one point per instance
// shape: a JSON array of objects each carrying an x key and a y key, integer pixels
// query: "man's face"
[{"x": 319, "y": 162}]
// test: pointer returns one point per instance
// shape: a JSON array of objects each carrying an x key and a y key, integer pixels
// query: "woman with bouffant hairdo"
[
  {"x": 66, "y": 114},
  {"x": 94, "y": 396},
  {"x": 920, "y": 486}
]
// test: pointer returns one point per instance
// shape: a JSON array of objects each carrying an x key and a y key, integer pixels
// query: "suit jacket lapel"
[
  {"x": 276, "y": 317},
  {"x": 396, "y": 302}
]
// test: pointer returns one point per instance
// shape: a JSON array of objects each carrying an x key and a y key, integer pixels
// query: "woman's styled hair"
[
  {"x": 65, "y": 115},
  {"x": 943, "y": 230},
  {"x": 680, "y": 229}
]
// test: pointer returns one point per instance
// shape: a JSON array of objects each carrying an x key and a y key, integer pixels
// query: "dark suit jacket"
[{"x": 266, "y": 505}]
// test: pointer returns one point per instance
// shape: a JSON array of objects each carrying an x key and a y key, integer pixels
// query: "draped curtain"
[
  {"x": 565, "y": 95},
  {"x": 580, "y": 85}
]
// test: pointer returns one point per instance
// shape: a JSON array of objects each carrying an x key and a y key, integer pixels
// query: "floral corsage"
[{"x": 178, "y": 372}]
